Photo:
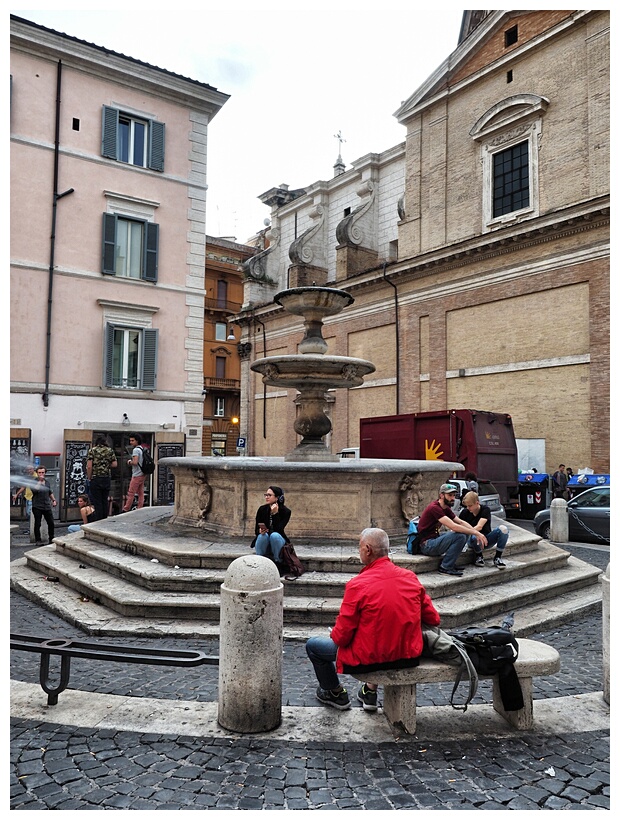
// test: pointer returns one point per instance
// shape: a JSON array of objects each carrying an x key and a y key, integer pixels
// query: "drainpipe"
[
  {"x": 396, "y": 330},
  {"x": 258, "y": 321},
  {"x": 55, "y": 198}
]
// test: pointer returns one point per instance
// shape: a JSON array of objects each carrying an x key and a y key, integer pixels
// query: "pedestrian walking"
[{"x": 100, "y": 460}]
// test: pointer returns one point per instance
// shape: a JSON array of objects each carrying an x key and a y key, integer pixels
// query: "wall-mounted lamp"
[
  {"x": 231, "y": 335},
  {"x": 169, "y": 425},
  {"x": 126, "y": 421}
]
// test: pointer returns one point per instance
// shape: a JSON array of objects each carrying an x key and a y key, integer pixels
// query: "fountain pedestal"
[{"x": 312, "y": 372}]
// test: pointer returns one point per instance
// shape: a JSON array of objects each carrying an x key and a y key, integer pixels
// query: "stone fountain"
[
  {"x": 332, "y": 499},
  {"x": 312, "y": 372}
]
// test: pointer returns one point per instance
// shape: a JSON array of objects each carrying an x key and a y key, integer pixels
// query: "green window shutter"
[
  {"x": 156, "y": 145},
  {"x": 149, "y": 358},
  {"x": 151, "y": 250},
  {"x": 108, "y": 356},
  {"x": 108, "y": 263},
  {"x": 109, "y": 132}
]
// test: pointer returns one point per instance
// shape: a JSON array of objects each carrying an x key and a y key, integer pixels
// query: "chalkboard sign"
[
  {"x": 165, "y": 477},
  {"x": 75, "y": 470},
  {"x": 20, "y": 468}
]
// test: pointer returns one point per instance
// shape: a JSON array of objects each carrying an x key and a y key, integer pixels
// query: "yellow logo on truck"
[{"x": 433, "y": 451}]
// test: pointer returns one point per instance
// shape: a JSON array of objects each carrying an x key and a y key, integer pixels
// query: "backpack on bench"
[
  {"x": 493, "y": 650},
  {"x": 441, "y": 646}
]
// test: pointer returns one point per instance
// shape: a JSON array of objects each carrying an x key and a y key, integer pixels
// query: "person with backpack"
[
  {"x": 100, "y": 460},
  {"x": 449, "y": 545},
  {"x": 136, "y": 485},
  {"x": 379, "y": 625}
]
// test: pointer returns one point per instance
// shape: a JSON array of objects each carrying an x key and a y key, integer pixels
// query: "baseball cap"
[{"x": 448, "y": 488}]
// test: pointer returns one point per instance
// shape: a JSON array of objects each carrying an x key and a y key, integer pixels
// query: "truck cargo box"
[{"x": 482, "y": 441}]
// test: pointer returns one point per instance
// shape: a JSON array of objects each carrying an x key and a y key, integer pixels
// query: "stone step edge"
[
  {"x": 148, "y": 575},
  {"x": 48, "y": 560},
  {"x": 419, "y": 563},
  {"x": 169, "y": 549},
  {"x": 119, "y": 594},
  {"x": 90, "y": 618}
]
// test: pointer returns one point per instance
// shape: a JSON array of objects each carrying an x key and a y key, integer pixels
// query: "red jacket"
[{"x": 381, "y": 615}]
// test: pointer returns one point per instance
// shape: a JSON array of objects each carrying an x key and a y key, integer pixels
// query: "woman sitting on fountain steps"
[{"x": 271, "y": 519}]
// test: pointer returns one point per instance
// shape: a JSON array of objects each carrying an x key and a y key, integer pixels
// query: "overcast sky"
[{"x": 297, "y": 73}]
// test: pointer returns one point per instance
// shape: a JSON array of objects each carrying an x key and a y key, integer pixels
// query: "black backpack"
[
  {"x": 493, "y": 651},
  {"x": 441, "y": 646},
  {"x": 148, "y": 465}
]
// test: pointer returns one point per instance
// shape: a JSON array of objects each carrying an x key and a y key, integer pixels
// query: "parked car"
[
  {"x": 487, "y": 493},
  {"x": 349, "y": 452},
  {"x": 588, "y": 517}
]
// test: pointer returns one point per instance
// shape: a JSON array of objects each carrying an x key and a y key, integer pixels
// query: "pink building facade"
[{"x": 108, "y": 191}]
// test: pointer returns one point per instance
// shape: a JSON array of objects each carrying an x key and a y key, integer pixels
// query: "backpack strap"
[{"x": 466, "y": 668}]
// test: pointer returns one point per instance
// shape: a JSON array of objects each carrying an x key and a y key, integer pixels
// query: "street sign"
[{"x": 240, "y": 443}]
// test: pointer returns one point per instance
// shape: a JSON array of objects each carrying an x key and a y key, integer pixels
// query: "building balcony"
[
  {"x": 222, "y": 304},
  {"x": 213, "y": 383}
]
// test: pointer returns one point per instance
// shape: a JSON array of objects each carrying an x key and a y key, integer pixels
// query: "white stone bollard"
[
  {"x": 606, "y": 636},
  {"x": 559, "y": 521},
  {"x": 250, "y": 668}
]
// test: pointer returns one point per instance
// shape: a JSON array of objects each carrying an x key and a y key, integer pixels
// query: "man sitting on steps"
[
  {"x": 448, "y": 544},
  {"x": 378, "y": 626}
]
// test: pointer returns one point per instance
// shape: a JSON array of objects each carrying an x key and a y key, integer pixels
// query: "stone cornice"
[
  {"x": 506, "y": 241},
  {"x": 106, "y": 64}
]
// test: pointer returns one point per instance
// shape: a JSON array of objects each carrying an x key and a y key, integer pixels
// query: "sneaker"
[
  {"x": 497, "y": 562},
  {"x": 450, "y": 571},
  {"x": 340, "y": 701},
  {"x": 368, "y": 698},
  {"x": 479, "y": 562}
]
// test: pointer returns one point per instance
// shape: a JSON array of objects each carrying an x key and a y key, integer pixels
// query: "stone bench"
[{"x": 399, "y": 685}]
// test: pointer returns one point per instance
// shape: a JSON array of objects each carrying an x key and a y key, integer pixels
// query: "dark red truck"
[{"x": 482, "y": 441}]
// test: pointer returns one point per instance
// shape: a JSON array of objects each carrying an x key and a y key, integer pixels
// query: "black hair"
[
  {"x": 100, "y": 440},
  {"x": 137, "y": 437},
  {"x": 278, "y": 492}
]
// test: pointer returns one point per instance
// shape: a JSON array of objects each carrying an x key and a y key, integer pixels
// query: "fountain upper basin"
[{"x": 315, "y": 370}]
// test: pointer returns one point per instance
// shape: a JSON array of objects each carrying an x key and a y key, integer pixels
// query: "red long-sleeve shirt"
[{"x": 381, "y": 615}]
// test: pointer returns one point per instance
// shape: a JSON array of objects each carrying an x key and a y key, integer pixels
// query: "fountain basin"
[
  {"x": 329, "y": 501},
  {"x": 320, "y": 371},
  {"x": 314, "y": 302}
]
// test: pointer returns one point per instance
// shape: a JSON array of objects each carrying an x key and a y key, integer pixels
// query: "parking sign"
[{"x": 240, "y": 443}]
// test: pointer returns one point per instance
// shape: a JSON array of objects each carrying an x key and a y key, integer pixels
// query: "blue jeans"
[
  {"x": 450, "y": 545},
  {"x": 322, "y": 654},
  {"x": 269, "y": 545},
  {"x": 495, "y": 537}
]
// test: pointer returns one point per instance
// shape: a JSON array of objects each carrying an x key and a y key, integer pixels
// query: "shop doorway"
[{"x": 121, "y": 475}]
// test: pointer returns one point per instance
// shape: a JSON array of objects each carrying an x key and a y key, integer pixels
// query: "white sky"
[{"x": 297, "y": 74}]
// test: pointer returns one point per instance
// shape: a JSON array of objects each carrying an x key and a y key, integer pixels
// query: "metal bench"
[
  {"x": 68, "y": 649},
  {"x": 399, "y": 685}
]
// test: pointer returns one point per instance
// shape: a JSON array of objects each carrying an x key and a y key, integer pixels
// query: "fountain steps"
[{"x": 127, "y": 592}]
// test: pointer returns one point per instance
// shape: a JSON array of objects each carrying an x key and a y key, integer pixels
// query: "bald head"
[{"x": 377, "y": 542}]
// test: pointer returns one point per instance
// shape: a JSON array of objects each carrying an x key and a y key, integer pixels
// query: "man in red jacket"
[{"x": 378, "y": 626}]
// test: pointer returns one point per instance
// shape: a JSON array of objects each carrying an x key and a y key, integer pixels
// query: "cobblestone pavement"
[{"x": 67, "y": 768}]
